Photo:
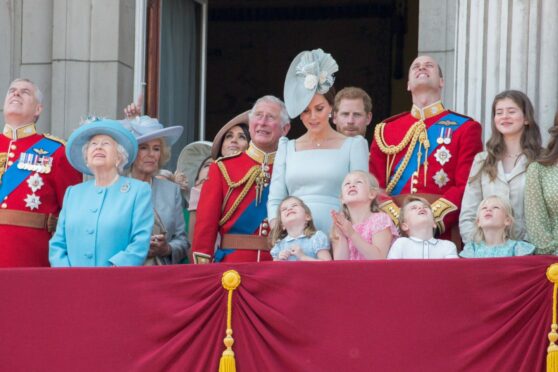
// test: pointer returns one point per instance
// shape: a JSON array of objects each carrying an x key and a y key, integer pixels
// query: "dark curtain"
[{"x": 178, "y": 92}]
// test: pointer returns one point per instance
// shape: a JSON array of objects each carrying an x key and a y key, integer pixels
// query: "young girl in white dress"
[
  {"x": 494, "y": 232},
  {"x": 294, "y": 237},
  {"x": 361, "y": 231}
]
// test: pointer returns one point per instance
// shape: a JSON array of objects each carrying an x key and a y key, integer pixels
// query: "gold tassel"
[
  {"x": 230, "y": 281},
  {"x": 552, "y": 351}
]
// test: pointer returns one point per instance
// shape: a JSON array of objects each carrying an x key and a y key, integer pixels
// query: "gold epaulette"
[
  {"x": 392, "y": 210},
  {"x": 54, "y": 138},
  {"x": 440, "y": 208},
  {"x": 221, "y": 158}
]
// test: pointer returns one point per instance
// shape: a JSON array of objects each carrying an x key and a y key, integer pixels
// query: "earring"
[{"x": 329, "y": 115}]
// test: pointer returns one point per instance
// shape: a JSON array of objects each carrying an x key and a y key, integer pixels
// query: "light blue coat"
[{"x": 103, "y": 226}]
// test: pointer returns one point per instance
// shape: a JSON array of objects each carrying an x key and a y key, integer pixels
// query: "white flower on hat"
[
  {"x": 310, "y": 81},
  {"x": 317, "y": 68}
]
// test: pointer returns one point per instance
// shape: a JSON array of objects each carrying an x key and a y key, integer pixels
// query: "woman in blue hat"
[
  {"x": 313, "y": 166},
  {"x": 106, "y": 221},
  {"x": 168, "y": 244}
]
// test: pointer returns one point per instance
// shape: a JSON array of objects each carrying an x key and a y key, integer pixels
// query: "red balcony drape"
[{"x": 445, "y": 315}]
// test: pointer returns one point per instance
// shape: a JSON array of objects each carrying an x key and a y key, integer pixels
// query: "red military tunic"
[
  {"x": 218, "y": 213},
  {"x": 40, "y": 193},
  {"x": 452, "y": 139}
]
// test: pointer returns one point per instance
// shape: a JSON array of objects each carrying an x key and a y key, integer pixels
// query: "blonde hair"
[
  {"x": 509, "y": 232},
  {"x": 279, "y": 231},
  {"x": 408, "y": 200},
  {"x": 374, "y": 185}
]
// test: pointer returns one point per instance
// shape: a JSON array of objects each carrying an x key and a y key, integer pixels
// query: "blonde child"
[
  {"x": 417, "y": 225},
  {"x": 361, "y": 231},
  {"x": 294, "y": 237},
  {"x": 494, "y": 232}
]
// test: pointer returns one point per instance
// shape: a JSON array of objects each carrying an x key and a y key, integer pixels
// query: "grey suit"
[{"x": 167, "y": 201}]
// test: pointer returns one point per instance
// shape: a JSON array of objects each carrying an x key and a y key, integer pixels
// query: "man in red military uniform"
[
  {"x": 234, "y": 197},
  {"x": 428, "y": 150},
  {"x": 34, "y": 176}
]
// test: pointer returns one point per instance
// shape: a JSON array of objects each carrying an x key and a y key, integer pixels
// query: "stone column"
[
  {"x": 79, "y": 52},
  {"x": 92, "y": 60},
  {"x": 506, "y": 44}
]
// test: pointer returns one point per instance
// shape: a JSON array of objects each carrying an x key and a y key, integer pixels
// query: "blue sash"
[
  {"x": 14, "y": 176},
  {"x": 247, "y": 223},
  {"x": 433, "y": 134}
]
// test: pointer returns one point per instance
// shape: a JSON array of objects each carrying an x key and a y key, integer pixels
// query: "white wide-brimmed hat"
[
  {"x": 146, "y": 128},
  {"x": 89, "y": 129},
  {"x": 310, "y": 72}
]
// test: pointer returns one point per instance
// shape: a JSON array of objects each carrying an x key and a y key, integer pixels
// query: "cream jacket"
[{"x": 511, "y": 187}]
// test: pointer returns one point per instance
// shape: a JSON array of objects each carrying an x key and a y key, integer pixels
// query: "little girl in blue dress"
[
  {"x": 294, "y": 237},
  {"x": 494, "y": 232}
]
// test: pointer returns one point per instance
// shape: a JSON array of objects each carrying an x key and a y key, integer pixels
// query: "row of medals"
[{"x": 35, "y": 163}]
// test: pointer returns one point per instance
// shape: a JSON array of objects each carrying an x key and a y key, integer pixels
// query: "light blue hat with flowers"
[
  {"x": 146, "y": 128},
  {"x": 310, "y": 72},
  {"x": 92, "y": 127}
]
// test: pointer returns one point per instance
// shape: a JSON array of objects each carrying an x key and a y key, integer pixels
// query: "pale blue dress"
[
  {"x": 315, "y": 176},
  {"x": 310, "y": 245},
  {"x": 509, "y": 249}
]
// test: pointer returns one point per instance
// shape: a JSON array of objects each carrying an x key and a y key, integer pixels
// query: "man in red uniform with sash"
[
  {"x": 34, "y": 175},
  {"x": 428, "y": 150},
  {"x": 234, "y": 197}
]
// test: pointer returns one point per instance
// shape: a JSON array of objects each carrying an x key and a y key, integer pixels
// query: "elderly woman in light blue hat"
[
  {"x": 106, "y": 221},
  {"x": 168, "y": 244},
  {"x": 312, "y": 167}
]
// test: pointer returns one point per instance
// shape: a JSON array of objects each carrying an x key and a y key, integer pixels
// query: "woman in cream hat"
[
  {"x": 169, "y": 244},
  {"x": 106, "y": 221},
  {"x": 312, "y": 167}
]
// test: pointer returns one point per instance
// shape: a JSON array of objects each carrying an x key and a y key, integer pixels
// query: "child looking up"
[
  {"x": 361, "y": 231},
  {"x": 494, "y": 232},
  {"x": 294, "y": 237},
  {"x": 417, "y": 225}
]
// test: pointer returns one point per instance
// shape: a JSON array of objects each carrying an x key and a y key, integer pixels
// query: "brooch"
[{"x": 125, "y": 187}]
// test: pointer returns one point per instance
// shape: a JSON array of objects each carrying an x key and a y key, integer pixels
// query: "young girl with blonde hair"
[
  {"x": 361, "y": 231},
  {"x": 494, "y": 232}
]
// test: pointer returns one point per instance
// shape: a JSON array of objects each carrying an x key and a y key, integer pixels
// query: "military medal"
[
  {"x": 445, "y": 136},
  {"x": 32, "y": 201},
  {"x": 441, "y": 178},
  {"x": 35, "y": 182},
  {"x": 442, "y": 155}
]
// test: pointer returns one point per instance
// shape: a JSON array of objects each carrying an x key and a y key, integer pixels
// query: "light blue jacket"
[{"x": 103, "y": 226}]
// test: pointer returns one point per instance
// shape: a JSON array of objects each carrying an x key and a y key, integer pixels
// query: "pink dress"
[{"x": 375, "y": 223}]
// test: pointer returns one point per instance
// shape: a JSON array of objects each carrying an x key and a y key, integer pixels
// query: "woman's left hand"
[{"x": 159, "y": 246}]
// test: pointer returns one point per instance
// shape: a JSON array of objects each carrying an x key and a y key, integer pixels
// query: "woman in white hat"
[
  {"x": 169, "y": 244},
  {"x": 106, "y": 221},
  {"x": 312, "y": 167}
]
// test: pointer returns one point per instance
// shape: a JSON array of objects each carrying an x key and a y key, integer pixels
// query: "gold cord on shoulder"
[
  {"x": 248, "y": 180},
  {"x": 416, "y": 134}
]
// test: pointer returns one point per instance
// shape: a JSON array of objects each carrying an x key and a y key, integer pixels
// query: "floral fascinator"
[{"x": 310, "y": 72}]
